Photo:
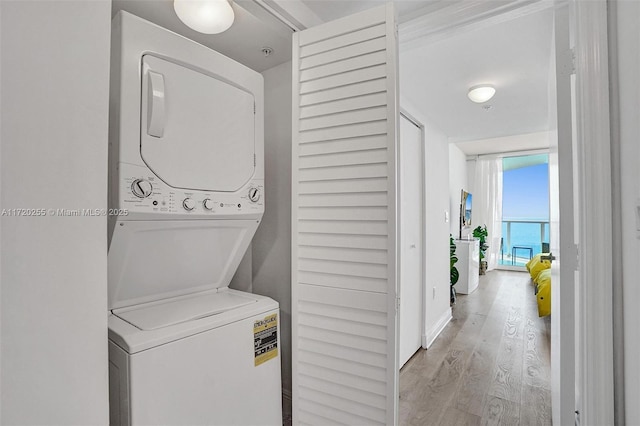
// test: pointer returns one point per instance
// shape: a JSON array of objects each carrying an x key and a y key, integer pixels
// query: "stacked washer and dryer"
[{"x": 187, "y": 181}]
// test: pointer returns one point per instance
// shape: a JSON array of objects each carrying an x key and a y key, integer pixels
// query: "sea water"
[{"x": 524, "y": 233}]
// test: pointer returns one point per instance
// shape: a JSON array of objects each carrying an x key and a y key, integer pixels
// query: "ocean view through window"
[{"x": 525, "y": 208}]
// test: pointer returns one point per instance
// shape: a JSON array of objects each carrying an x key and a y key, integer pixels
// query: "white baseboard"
[{"x": 437, "y": 328}]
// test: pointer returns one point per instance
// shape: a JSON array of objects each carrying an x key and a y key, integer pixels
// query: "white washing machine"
[{"x": 186, "y": 185}]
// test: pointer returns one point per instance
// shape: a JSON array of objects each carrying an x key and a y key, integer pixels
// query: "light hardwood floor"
[{"x": 489, "y": 366}]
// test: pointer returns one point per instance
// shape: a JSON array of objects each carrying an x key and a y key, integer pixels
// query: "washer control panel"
[{"x": 142, "y": 192}]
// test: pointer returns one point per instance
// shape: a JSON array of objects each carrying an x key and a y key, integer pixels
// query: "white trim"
[
  {"x": 280, "y": 16},
  {"x": 393, "y": 125},
  {"x": 295, "y": 128},
  {"x": 507, "y": 154},
  {"x": 595, "y": 327},
  {"x": 429, "y": 25},
  {"x": 295, "y": 14},
  {"x": 423, "y": 226},
  {"x": 281, "y": 26},
  {"x": 411, "y": 118},
  {"x": 563, "y": 211},
  {"x": 431, "y": 335}
]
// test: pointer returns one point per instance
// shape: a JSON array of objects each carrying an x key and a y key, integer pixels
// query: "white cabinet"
[{"x": 468, "y": 252}]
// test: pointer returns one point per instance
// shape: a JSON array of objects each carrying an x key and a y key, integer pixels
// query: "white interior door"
[
  {"x": 411, "y": 230},
  {"x": 562, "y": 221},
  {"x": 344, "y": 227}
]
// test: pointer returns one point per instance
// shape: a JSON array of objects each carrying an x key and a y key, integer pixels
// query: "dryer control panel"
[{"x": 143, "y": 193}]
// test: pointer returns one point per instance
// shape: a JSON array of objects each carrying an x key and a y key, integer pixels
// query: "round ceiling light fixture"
[
  {"x": 481, "y": 93},
  {"x": 205, "y": 16}
]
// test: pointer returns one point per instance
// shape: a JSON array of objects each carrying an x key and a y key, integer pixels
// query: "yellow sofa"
[{"x": 540, "y": 271}]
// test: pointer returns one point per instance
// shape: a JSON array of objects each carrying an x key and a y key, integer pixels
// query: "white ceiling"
[
  {"x": 434, "y": 75},
  {"x": 513, "y": 56},
  {"x": 242, "y": 42}
]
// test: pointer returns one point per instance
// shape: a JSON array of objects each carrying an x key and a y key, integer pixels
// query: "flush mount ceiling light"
[
  {"x": 481, "y": 93},
  {"x": 205, "y": 16}
]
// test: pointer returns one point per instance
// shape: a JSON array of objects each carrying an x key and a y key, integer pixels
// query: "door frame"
[
  {"x": 423, "y": 233},
  {"x": 594, "y": 306},
  {"x": 595, "y": 260}
]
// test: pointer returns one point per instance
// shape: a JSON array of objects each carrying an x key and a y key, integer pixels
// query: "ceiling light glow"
[
  {"x": 205, "y": 16},
  {"x": 481, "y": 93}
]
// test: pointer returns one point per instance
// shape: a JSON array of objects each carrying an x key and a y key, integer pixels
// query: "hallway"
[{"x": 491, "y": 364}]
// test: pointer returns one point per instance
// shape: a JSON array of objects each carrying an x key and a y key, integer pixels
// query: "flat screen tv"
[{"x": 465, "y": 211}]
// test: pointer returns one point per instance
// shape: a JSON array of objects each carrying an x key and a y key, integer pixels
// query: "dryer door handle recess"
[{"x": 155, "y": 105}]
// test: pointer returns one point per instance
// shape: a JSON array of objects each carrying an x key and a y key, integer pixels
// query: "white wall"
[
  {"x": 437, "y": 192},
  {"x": 55, "y": 65},
  {"x": 243, "y": 278},
  {"x": 272, "y": 243},
  {"x": 458, "y": 180},
  {"x": 437, "y": 308},
  {"x": 628, "y": 32}
]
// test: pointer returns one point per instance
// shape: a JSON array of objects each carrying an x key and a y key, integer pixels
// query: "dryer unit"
[{"x": 186, "y": 184}]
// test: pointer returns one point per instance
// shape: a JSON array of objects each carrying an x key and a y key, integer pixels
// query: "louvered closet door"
[{"x": 344, "y": 256}]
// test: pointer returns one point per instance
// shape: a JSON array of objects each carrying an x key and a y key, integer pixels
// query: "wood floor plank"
[
  {"x": 487, "y": 366},
  {"x": 469, "y": 335},
  {"x": 514, "y": 326},
  {"x": 430, "y": 400},
  {"x": 535, "y": 406},
  {"x": 536, "y": 369},
  {"x": 472, "y": 391},
  {"x": 493, "y": 329},
  {"x": 503, "y": 297},
  {"x": 427, "y": 362},
  {"x": 455, "y": 417},
  {"x": 507, "y": 376},
  {"x": 449, "y": 372},
  {"x": 499, "y": 411}
]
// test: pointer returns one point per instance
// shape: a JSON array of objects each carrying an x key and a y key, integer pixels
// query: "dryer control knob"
[
  {"x": 254, "y": 195},
  {"x": 189, "y": 204},
  {"x": 141, "y": 188},
  {"x": 208, "y": 204}
]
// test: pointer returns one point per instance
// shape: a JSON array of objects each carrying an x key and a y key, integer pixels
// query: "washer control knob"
[
  {"x": 141, "y": 188},
  {"x": 208, "y": 204},
  {"x": 254, "y": 195},
  {"x": 189, "y": 204}
]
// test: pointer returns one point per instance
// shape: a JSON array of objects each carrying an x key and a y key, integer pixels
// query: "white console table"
[{"x": 468, "y": 252}]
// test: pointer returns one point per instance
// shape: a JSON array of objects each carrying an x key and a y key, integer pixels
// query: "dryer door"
[{"x": 197, "y": 131}]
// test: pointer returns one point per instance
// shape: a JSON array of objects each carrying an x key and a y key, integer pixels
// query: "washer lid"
[
  {"x": 168, "y": 312},
  {"x": 156, "y": 260},
  {"x": 197, "y": 131}
]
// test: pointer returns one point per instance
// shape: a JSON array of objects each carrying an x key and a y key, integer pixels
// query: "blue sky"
[{"x": 525, "y": 193}]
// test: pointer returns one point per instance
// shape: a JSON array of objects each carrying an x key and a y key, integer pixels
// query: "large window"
[{"x": 525, "y": 208}]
